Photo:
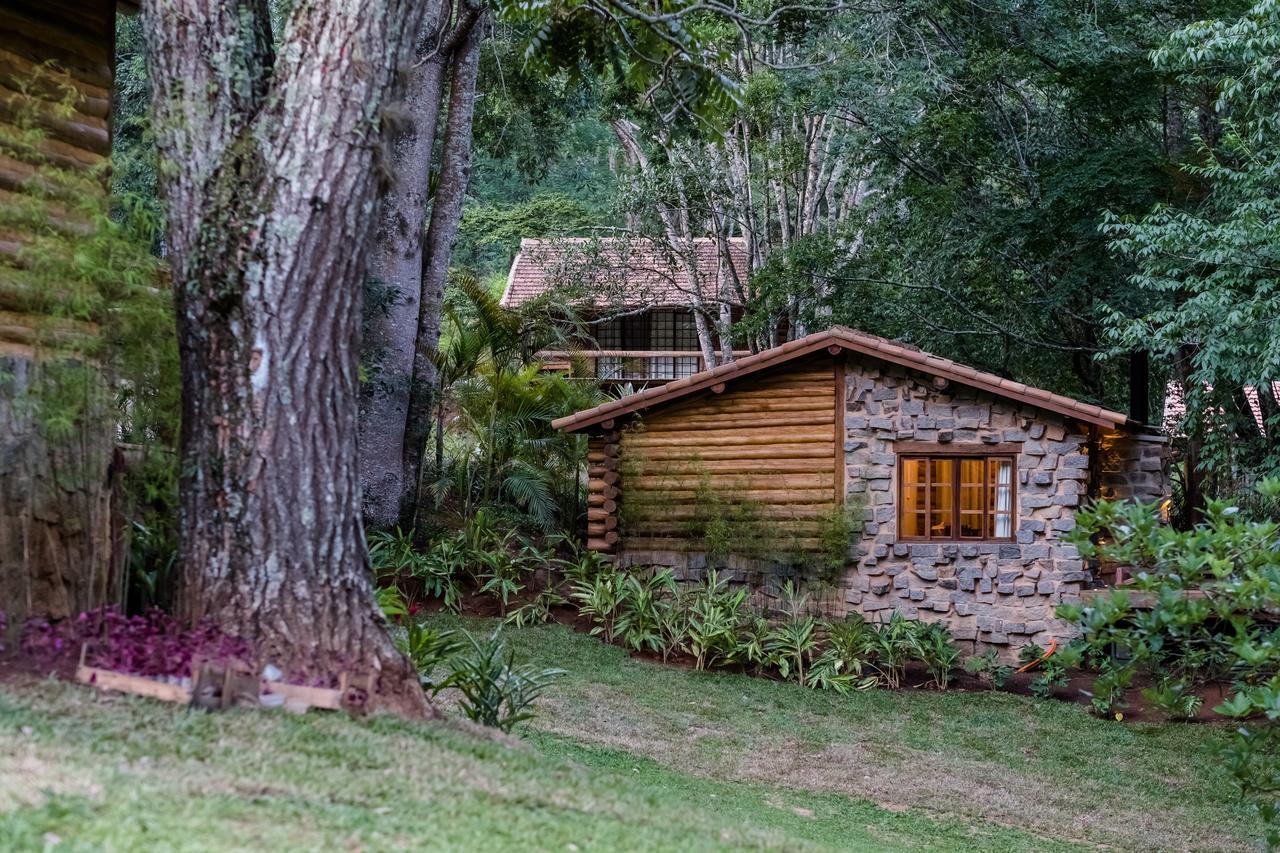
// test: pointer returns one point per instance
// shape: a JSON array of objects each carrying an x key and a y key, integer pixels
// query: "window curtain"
[{"x": 1004, "y": 499}]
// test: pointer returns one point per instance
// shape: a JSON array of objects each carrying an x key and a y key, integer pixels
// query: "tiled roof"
[
  {"x": 1175, "y": 406},
  {"x": 857, "y": 342},
  {"x": 620, "y": 272}
]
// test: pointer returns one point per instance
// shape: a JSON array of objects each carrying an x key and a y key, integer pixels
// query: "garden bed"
[{"x": 1077, "y": 690}]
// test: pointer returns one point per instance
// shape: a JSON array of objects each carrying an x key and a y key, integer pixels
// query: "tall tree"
[
  {"x": 1209, "y": 275},
  {"x": 404, "y": 318},
  {"x": 1004, "y": 131},
  {"x": 268, "y": 169},
  {"x": 442, "y": 233},
  {"x": 415, "y": 261}
]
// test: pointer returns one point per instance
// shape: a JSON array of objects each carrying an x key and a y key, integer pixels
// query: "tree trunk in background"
[
  {"x": 268, "y": 170},
  {"x": 396, "y": 261},
  {"x": 442, "y": 234}
]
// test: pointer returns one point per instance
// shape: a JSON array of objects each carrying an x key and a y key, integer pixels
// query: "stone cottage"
[{"x": 946, "y": 490}]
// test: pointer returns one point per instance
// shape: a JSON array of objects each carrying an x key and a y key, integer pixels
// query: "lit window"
[{"x": 955, "y": 497}]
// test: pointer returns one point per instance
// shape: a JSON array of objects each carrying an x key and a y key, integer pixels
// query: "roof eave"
[{"x": 635, "y": 403}]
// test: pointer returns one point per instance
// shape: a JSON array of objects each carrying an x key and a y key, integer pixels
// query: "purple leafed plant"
[{"x": 152, "y": 643}]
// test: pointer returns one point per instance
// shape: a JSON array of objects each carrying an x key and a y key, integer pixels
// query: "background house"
[
  {"x": 905, "y": 481},
  {"x": 643, "y": 302}
]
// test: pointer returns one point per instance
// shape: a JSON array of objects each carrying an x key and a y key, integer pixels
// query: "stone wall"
[
  {"x": 1000, "y": 595},
  {"x": 1132, "y": 467}
]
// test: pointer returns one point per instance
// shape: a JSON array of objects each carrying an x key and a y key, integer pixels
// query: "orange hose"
[{"x": 1053, "y": 646}]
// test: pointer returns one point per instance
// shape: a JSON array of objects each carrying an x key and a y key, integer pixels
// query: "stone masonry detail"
[{"x": 999, "y": 595}]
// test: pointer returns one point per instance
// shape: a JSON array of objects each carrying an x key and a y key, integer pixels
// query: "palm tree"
[{"x": 506, "y": 452}]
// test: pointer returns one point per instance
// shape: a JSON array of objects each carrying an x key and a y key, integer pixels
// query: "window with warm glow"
[{"x": 955, "y": 497}]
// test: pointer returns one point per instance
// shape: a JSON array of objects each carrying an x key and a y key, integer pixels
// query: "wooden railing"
[{"x": 638, "y": 365}]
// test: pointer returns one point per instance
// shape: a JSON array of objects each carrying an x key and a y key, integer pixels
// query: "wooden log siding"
[
  {"x": 603, "y": 478},
  {"x": 768, "y": 441},
  {"x": 48, "y": 50},
  {"x": 57, "y": 547}
]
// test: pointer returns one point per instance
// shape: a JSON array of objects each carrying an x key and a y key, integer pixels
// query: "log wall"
[
  {"x": 765, "y": 445},
  {"x": 57, "y": 555}
]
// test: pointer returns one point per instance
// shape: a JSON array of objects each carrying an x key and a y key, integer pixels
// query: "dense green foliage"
[
  {"x": 1209, "y": 274},
  {"x": 495, "y": 690},
  {"x": 498, "y": 451},
  {"x": 714, "y": 622},
  {"x": 86, "y": 279},
  {"x": 1214, "y": 591}
]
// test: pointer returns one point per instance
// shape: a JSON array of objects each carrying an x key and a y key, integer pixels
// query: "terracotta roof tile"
[
  {"x": 622, "y": 272},
  {"x": 854, "y": 341}
]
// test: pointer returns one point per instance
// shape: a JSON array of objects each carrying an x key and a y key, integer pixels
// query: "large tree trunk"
[
  {"x": 442, "y": 234},
  {"x": 396, "y": 262},
  {"x": 268, "y": 170}
]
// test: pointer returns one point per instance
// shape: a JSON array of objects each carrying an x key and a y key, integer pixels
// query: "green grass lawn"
[{"x": 625, "y": 755}]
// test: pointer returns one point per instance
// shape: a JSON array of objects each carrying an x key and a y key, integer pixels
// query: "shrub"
[
  {"x": 1051, "y": 672},
  {"x": 599, "y": 599},
  {"x": 501, "y": 574},
  {"x": 152, "y": 644},
  {"x": 673, "y": 623},
  {"x": 840, "y": 665},
  {"x": 639, "y": 611},
  {"x": 442, "y": 571},
  {"x": 753, "y": 643},
  {"x": 715, "y": 615},
  {"x": 1214, "y": 590},
  {"x": 536, "y": 611},
  {"x": 495, "y": 692},
  {"x": 429, "y": 648},
  {"x": 391, "y": 602},
  {"x": 988, "y": 668},
  {"x": 793, "y": 642},
  {"x": 931, "y": 645},
  {"x": 891, "y": 646},
  {"x": 397, "y": 562}
]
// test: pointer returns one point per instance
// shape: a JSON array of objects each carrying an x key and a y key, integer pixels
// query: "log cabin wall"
[
  {"x": 57, "y": 554},
  {"x": 760, "y": 457}
]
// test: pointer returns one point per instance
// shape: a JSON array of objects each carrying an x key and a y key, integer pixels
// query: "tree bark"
[
  {"x": 395, "y": 262},
  {"x": 268, "y": 168},
  {"x": 442, "y": 234}
]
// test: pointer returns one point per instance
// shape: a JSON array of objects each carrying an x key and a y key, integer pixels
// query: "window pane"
[
  {"x": 609, "y": 334},
  {"x": 942, "y": 477},
  {"x": 913, "y": 512},
  {"x": 686, "y": 366},
  {"x": 662, "y": 331},
  {"x": 609, "y": 367},
  {"x": 1001, "y": 502},
  {"x": 973, "y": 491},
  {"x": 686, "y": 333}
]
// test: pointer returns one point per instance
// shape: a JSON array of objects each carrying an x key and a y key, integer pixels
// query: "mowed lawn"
[{"x": 626, "y": 755}]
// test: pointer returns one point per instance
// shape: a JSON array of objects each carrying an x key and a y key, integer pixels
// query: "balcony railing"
[{"x": 635, "y": 365}]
